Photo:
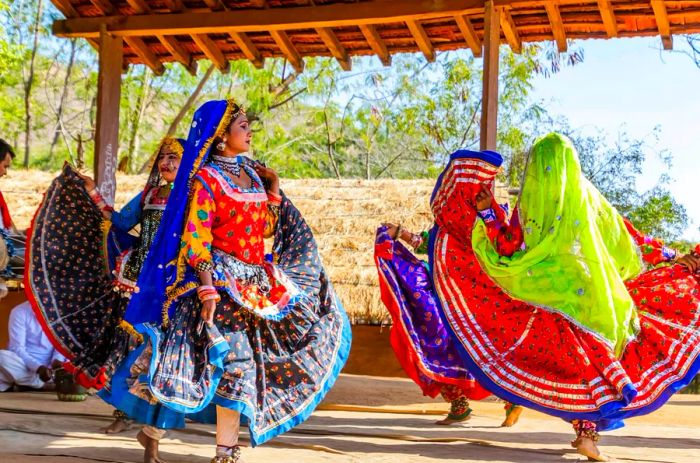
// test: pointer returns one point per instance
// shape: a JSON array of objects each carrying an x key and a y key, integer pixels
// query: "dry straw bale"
[{"x": 344, "y": 215}]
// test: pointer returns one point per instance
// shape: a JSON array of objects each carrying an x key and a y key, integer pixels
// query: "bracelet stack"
[
  {"x": 415, "y": 241},
  {"x": 97, "y": 198},
  {"x": 208, "y": 293}
]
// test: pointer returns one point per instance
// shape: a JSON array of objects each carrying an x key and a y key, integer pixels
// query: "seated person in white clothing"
[{"x": 30, "y": 358}]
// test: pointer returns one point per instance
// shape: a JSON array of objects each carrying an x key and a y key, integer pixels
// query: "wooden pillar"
[
  {"x": 489, "y": 100},
  {"x": 107, "y": 127}
]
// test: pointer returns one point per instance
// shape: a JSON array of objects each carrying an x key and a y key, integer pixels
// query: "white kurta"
[{"x": 28, "y": 350}]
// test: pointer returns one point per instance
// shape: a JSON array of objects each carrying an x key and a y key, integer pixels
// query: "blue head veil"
[{"x": 162, "y": 269}]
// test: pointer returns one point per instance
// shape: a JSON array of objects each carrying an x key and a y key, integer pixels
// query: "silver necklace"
[{"x": 230, "y": 165}]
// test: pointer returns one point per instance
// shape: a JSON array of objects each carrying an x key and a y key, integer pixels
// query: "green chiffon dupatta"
[{"x": 577, "y": 252}]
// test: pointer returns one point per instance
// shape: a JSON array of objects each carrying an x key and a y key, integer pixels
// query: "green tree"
[{"x": 614, "y": 169}]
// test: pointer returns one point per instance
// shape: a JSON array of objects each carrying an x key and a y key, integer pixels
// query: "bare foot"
[
  {"x": 512, "y": 417},
  {"x": 150, "y": 446},
  {"x": 116, "y": 426},
  {"x": 586, "y": 447}
]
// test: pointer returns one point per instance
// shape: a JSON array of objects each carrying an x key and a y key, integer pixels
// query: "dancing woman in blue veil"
[{"x": 231, "y": 335}]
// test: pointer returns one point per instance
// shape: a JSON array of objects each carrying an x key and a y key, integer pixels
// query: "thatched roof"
[{"x": 158, "y": 31}]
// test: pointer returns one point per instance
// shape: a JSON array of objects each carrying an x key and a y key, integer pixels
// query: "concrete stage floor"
[{"x": 364, "y": 419}]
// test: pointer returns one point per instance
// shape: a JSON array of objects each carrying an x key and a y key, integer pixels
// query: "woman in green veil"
[{"x": 566, "y": 317}]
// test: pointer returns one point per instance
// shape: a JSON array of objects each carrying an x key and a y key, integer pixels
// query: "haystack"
[{"x": 344, "y": 215}]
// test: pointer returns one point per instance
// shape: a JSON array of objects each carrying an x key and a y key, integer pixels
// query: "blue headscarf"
[{"x": 160, "y": 270}]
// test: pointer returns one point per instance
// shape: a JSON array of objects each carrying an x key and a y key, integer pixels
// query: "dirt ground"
[{"x": 364, "y": 419}]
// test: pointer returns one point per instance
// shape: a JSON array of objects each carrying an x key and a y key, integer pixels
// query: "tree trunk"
[
  {"x": 136, "y": 116},
  {"x": 368, "y": 172},
  {"x": 80, "y": 156},
  {"x": 29, "y": 82},
  {"x": 185, "y": 108},
  {"x": 64, "y": 94}
]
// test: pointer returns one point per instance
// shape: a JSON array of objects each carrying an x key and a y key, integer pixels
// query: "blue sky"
[{"x": 631, "y": 83}]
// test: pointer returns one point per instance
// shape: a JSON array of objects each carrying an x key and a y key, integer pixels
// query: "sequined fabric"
[
  {"x": 274, "y": 372},
  {"x": 71, "y": 284}
]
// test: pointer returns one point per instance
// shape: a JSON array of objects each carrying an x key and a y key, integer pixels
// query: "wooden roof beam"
[
  {"x": 179, "y": 52},
  {"x": 557, "y": 24},
  {"x": 422, "y": 39},
  {"x": 662, "y": 22},
  {"x": 105, "y": 6},
  {"x": 176, "y": 6},
  {"x": 467, "y": 30},
  {"x": 335, "y": 47},
  {"x": 510, "y": 30},
  {"x": 65, "y": 7},
  {"x": 288, "y": 50},
  {"x": 250, "y": 51},
  {"x": 608, "y": 15},
  {"x": 279, "y": 19},
  {"x": 145, "y": 53},
  {"x": 376, "y": 43},
  {"x": 215, "y": 5},
  {"x": 211, "y": 51},
  {"x": 139, "y": 6}
]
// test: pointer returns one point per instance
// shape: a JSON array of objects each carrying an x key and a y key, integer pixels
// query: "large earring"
[{"x": 221, "y": 146}]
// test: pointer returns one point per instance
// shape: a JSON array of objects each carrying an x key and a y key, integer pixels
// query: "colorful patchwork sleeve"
[
  {"x": 507, "y": 236},
  {"x": 653, "y": 250},
  {"x": 128, "y": 216},
  {"x": 274, "y": 202},
  {"x": 197, "y": 237}
]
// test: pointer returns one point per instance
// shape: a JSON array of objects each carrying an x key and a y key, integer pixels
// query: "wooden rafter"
[
  {"x": 557, "y": 24},
  {"x": 288, "y": 49},
  {"x": 248, "y": 48},
  {"x": 270, "y": 19},
  {"x": 376, "y": 43},
  {"x": 211, "y": 51},
  {"x": 510, "y": 31},
  {"x": 65, "y": 7},
  {"x": 335, "y": 47},
  {"x": 145, "y": 53},
  {"x": 215, "y": 5},
  {"x": 608, "y": 15},
  {"x": 178, "y": 51},
  {"x": 422, "y": 39},
  {"x": 663, "y": 23},
  {"x": 105, "y": 6},
  {"x": 469, "y": 34},
  {"x": 139, "y": 6},
  {"x": 175, "y": 5}
]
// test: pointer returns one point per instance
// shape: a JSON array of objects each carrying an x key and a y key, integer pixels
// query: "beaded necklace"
[{"x": 230, "y": 165}]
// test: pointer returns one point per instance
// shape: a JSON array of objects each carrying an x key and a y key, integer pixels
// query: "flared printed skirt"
[{"x": 273, "y": 370}]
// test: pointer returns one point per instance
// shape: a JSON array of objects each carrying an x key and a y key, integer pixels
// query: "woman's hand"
[
  {"x": 390, "y": 229},
  {"x": 87, "y": 181},
  {"x": 690, "y": 261},
  {"x": 268, "y": 174},
  {"x": 208, "y": 309},
  {"x": 484, "y": 198}
]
